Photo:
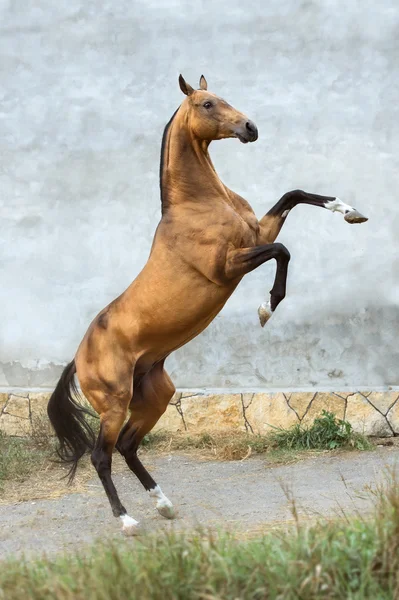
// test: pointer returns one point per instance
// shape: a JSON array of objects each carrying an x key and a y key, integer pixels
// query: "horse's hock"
[{"x": 370, "y": 413}]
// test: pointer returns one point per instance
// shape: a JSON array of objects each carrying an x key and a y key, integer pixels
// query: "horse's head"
[{"x": 212, "y": 118}]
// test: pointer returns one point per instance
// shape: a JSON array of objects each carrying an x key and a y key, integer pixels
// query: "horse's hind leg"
[
  {"x": 150, "y": 399},
  {"x": 113, "y": 411}
]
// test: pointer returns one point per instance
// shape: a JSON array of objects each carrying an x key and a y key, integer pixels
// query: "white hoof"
[
  {"x": 163, "y": 505},
  {"x": 166, "y": 509},
  {"x": 130, "y": 526},
  {"x": 264, "y": 312},
  {"x": 353, "y": 216}
]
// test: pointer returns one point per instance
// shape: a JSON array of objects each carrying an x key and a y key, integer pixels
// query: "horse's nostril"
[{"x": 251, "y": 128}]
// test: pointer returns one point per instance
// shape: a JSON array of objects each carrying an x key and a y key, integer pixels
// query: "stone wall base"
[{"x": 370, "y": 413}]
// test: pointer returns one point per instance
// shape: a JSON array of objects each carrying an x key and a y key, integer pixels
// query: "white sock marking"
[
  {"x": 129, "y": 525},
  {"x": 163, "y": 504},
  {"x": 338, "y": 206},
  {"x": 265, "y": 312}
]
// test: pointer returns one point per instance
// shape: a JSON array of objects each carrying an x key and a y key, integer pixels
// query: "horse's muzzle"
[{"x": 248, "y": 133}]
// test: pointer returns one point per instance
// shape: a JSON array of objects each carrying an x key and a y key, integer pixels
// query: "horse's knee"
[
  {"x": 282, "y": 252},
  {"x": 296, "y": 193},
  {"x": 291, "y": 198}
]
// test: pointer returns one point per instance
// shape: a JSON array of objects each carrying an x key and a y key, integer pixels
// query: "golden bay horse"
[{"x": 207, "y": 240}]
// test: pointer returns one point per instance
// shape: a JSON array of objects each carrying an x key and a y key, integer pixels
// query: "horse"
[{"x": 208, "y": 238}]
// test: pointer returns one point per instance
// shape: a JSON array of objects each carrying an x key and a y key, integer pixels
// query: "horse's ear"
[
  {"x": 185, "y": 87},
  {"x": 203, "y": 83}
]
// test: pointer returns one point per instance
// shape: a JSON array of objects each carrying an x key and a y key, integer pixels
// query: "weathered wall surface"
[{"x": 86, "y": 90}]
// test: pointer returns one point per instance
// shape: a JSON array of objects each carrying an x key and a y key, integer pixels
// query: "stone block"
[
  {"x": 382, "y": 400},
  {"x": 216, "y": 412},
  {"x": 3, "y": 401},
  {"x": 269, "y": 410},
  {"x": 38, "y": 403},
  {"x": 16, "y": 426},
  {"x": 346, "y": 394},
  {"x": 393, "y": 417},
  {"x": 365, "y": 419},
  {"x": 324, "y": 401},
  {"x": 300, "y": 401},
  {"x": 18, "y": 406}
]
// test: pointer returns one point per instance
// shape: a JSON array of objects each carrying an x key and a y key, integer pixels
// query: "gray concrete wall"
[{"x": 86, "y": 88}]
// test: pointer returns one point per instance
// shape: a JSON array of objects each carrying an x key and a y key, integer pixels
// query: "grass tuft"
[{"x": 326, "y": 433}]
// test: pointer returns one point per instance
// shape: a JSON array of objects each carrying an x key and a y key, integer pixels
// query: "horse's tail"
[{"x": 74, "y": 434}]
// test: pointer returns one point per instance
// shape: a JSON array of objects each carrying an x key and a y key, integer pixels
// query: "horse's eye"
[{"x": 208, "y": 105}]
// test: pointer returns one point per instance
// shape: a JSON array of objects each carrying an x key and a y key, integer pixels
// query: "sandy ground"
[{"x": 248, "y": 496}]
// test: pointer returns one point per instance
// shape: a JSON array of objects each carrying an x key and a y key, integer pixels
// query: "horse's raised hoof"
[
  {"x": 130, "y": 527},
  {"x": 264, "y": 312},
  {"x": 353, "y": 216}
]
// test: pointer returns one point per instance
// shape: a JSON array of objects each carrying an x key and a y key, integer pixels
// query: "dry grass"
[
  {"x": 42, "y": 433},
  {"x": 222, "y": 446},
  {"x": 327, "y": 432},
  {"x": 29, "y": 468},
  {"x": 216, "y": 445}
]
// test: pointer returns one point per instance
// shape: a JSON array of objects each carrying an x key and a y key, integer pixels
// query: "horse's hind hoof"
[
  {"x": 166, "y": 510},
  {"x": 131, "y": 530},
  {"x": 264, "y": 313},
  {"x": 353, "y": 216},
  {"x": 130, "y": 527},
  {"x": 163, "y": 504}
]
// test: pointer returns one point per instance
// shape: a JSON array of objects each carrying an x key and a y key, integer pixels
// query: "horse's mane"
[{"x": 164, "y": 200}]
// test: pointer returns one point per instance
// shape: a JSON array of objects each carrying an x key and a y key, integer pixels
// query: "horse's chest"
[{"x": 243, "y": 231}]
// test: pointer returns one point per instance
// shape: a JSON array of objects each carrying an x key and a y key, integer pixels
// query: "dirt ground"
[{"x": 247, "y": 496}]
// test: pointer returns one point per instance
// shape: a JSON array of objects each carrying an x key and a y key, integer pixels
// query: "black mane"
[{"x": 164, "y": 200}]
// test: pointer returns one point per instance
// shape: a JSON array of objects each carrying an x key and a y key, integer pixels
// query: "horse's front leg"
[
  {"x": 272, "y": 222},
  {"x": 244, "y": 260}
]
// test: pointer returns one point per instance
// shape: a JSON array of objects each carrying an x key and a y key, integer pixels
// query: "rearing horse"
[{"x": 207, "y": 240}]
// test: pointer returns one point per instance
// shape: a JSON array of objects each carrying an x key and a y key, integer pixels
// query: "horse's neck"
[{"x": 188, "y": 174}]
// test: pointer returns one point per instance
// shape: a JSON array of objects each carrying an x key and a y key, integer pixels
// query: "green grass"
[
  {"x": 326, "y": 433},
  {"x": 352, "y": 559},
  {"x": 19, "y": 457}
]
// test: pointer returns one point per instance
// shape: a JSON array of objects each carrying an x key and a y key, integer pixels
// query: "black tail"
[{"x": 67, "y": 417}]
